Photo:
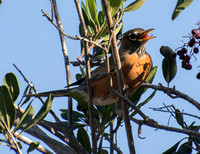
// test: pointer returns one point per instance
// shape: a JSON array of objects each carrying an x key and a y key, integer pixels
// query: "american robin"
[{"x": 135, "y": 63}]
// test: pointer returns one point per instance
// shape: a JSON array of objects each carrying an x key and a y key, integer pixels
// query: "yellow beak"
[{"x": 145, "y": 37}]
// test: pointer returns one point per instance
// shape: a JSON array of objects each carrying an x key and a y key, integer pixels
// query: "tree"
[{"x": 10, "y": 91}]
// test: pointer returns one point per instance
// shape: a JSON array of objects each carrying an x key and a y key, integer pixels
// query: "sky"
[{"x": 31, "y": 42}]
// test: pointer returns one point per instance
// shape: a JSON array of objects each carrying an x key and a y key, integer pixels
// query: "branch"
[
  {"x": 71, "y": 37},
  {"x": 38, "y": 133},
  {"x": 115, "y": 147},
  {"x": 16, "y": 147},
  {"x": 66, "y": 58},
  {"x": 117, "y": 63},
  {"x": 33, "y": 87},
  {"x": 154, "y": 124},
  {"x": 28, "y": 141},
  {"x": 174, "y": 92},
  {"x": 183, "y": 113},
  {"x": 88, "y": 76}
]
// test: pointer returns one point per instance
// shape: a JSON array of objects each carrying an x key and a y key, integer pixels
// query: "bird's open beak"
[{"x": 145, "y": 37}]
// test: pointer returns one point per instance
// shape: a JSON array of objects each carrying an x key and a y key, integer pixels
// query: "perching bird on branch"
[{"x": 135, "y": 64}]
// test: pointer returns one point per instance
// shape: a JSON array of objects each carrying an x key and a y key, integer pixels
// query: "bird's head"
[{"x": 134, "y": 40}]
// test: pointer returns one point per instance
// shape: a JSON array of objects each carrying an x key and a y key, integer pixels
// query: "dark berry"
[
  {"x": 198, "y": 76},
  {"x": 196, "y": 50},
  {"x": 188, "y": 66},
  {"x": 184, "y": 50},
  {"x": 197, "y": 36},
  {"x": 191, "y": 42},
  {"x": 194, "y": 32},
  {"x": 183, "y": 64},
  {"x": 182, "y": 56},
  {"x": 173, "y": 54},
  {"x": 179, "y": 52},
  {"x": 187, "y": 58}
]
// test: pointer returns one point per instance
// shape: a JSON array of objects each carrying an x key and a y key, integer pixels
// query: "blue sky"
[{"x": 32, "y": 43}]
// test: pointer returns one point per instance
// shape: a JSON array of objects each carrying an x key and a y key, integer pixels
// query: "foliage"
[
  {"x": 9, "y": 93},
  {"x": 104, "y": 116}
]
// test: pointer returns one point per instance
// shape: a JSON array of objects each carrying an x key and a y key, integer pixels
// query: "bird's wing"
[
  {"x": 56, "y": 93},
  {"x": 101, "y": 71}
]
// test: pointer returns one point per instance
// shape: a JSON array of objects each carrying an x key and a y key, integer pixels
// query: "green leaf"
[
  {"x": 145, "y": 102},
  {"x": 7, "y": 108},
  {"x": 181, "y": 5},
  {"x": 185, "y": 148},
  {"x": 44, "y": 110},
  {"x": 169, "y": 69},
  {"x": 25, "y": 92},
  {"x": 169, "y": 66},
  {"x": 92, "y": 6},
  {"x": 137, "y": 95},
  {"x": 172, "y": 149},
  {"x": 82, "y": 70},
  {"x": 134, "y": 6},
  {"x": 99, "y": 54},
  {"x": 80, "y": 99},
  {"x": 102, "y": 31},
  {"x": 33, "y": 146},
  {"x": 179, "y": 117},
  {"x": 76, "y": 116},
  {"x": 90, "y": 24},
  {"x": 114, "y": 6},
  {"x": 78, "y": 76},
  {"x": 101, "y": 17},
  {"x": 10, "y": 81},
  {"x": 26, "y": 118},
  {"x": 106, "y": 38},
  {"x": 28, "y": 98},
  {"x": 107, "y": 116},
  {"x": 83, "y": 138},
  {"x": 75, "y": 125}
]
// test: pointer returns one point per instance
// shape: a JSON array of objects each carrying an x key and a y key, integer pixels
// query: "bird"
[{"x": 136, "y": 64}]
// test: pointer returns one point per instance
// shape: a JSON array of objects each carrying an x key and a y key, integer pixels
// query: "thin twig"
[
  {"x": 33, "y": 87},
  {"x": 111, "y": 139},
  {"x": 71, "y": 37},
  {"x": 88, "y": 76},
  {"x": 117, "y": 149},
  {"x": 117, "y": 63},
  {"x": 154, "y": 124},
  {"x": 184, "y": 113},
  {"x": 66, "y": 59},
  {"x": 28, "y": 141},
  {"x": 56, "y": 129},
  {"x": 11, "y": 135},
  {"x": 174, "y": 92}
]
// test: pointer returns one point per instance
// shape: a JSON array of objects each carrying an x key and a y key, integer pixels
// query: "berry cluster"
[{"x": 189, "y": 49}]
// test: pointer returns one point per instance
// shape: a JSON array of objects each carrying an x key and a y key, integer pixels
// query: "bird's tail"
[{"x": 56, "y": 93}]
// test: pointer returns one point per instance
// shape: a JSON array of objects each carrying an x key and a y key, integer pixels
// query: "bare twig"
[
  {"x": 33, "y": 87},
  {"x": 55, "y": 129},
  {"x": 154, "y": 124},
  {"x": 125, "y": 99},
  {"x": 71, "y": 37},
  {"x": 117, "y": 62},
  {"x": 174, "y": 92},
  {"x": 184, "y": 113},
  {"x": 88, "y": 75},
  {"x": 28, "y": 141},
  {"x": 16, "y": 147},
  {"x": 117, "y": 149},
  {"x": 66, "y": 58},
  {"x": 111, "y": 139}
]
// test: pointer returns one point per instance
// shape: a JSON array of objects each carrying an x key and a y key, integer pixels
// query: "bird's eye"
[{"x": 132, "y": 36}]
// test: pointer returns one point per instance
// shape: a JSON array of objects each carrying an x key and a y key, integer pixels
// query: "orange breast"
[{"x": 135, "y": 70}]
